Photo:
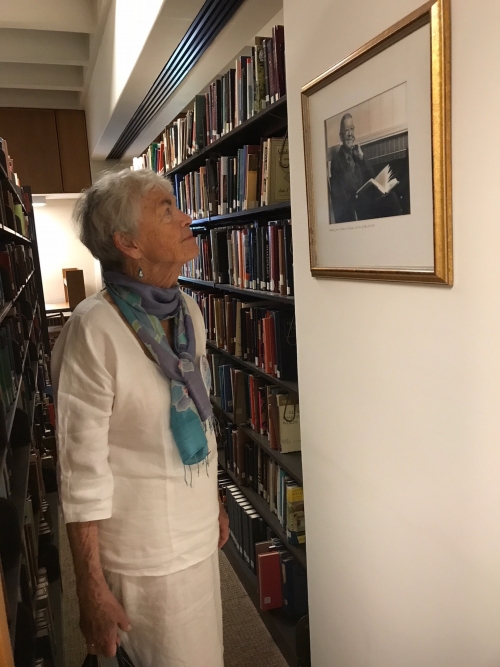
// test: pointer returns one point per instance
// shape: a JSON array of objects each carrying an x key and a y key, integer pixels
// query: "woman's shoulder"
[
  {"x": 94, "y": 310},
  {"x": 193, "y": 308},
  {"x": 93, "y": 318},
  {"x": 198, "y": 322},
  {"x": 190, "y": 302},
  {"x": 87, "y": 335}
]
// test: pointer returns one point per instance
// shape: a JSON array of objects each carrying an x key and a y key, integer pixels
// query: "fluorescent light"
[{"x": 39, "y": 200}]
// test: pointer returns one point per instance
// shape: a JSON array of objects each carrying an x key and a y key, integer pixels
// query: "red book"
[
  {"x": 269, "y": 345},
  {"x": 261, "y": 344},
  {"x": 262, "y": 409},
  {"x": 253, "y": 406},
  {"x": 207, "y": 121},
  {"x": 272, "y": 344},
  {"x": 270, "y": 580},
  {"x": 52, "y": 416}
]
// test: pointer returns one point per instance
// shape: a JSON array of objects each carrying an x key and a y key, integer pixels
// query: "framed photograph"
[{"x": 378, "y": 156}]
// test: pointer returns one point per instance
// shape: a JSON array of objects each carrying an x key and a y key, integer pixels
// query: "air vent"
[{"x": 210, "y": 20}]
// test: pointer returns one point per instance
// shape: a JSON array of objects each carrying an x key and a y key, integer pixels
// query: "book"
[
  {"x": 288, "y": 423},
  {"x": 294, "y": 587},
  {"x": 383, "y": 183},
  {"x": 286, "y": 344},
  {"x": 270, "y": 594},
  {"x": 295, "y": 518},
  {"x": 278, "y": 171},
  {"x": 240, "y": 414}
]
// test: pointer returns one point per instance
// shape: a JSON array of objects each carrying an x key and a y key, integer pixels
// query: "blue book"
[
  {"x": 226, "y": 388},
  {"x": 294, "y": 586},
  {"x": 222, "y": 386}
]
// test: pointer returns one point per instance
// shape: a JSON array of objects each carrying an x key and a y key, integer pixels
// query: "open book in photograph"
[{"x": 384, "y": 182}]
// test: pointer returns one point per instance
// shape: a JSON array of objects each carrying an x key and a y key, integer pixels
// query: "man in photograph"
[{"x": 348, "y": 172}]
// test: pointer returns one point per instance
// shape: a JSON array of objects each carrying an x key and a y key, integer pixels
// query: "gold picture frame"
[{"x": 438, "y": 231}]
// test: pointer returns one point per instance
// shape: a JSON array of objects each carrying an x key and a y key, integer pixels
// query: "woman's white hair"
[{"x": 110, "y": 205}]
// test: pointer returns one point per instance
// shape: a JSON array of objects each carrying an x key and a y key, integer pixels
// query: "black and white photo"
[
  {"x": 377, "y": 148},
  {"x": 367, "y": 160}
]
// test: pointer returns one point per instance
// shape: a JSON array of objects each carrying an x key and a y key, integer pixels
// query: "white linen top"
[{"x": 118, "y": 462}]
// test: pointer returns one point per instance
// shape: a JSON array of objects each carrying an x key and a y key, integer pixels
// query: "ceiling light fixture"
[{"x": 39, "y": 200}]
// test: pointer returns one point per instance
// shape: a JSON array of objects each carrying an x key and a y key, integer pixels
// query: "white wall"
[
  {"x": 60, "y": 248},
  {"x": 400, "y": 390}
]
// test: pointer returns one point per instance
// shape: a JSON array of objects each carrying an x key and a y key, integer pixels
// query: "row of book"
[
  {"x": 258, "y": 332},
  {"x": 266, "y": 409},
  {"x": 11, "y": 211},
  {"x": 30, "y": 541},
  {"x": 256, "y": 81},
  {"x": 16, "y": 265},
  {"x": 250, "y": 256},
  {"x": 252, "y": 466},
  {"x": 18, "y": 331},
  {"x": 281, "y": 580},
  {"x": 7, "y": 162},
  {"x": 258, "y": 175}
]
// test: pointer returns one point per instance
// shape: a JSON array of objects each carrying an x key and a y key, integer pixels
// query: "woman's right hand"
[{"x": 100, "y": 617}]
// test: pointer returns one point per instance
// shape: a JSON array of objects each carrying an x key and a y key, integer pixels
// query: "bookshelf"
[
  {"x": 202, "y": 184},
  {"x": 252, "y": 293},
  {"x": 263, "y": 509},
  {"x": 13, "y": 188},
  {"x": 292, "y": 462},
  {"x": 285, "y": 384},
  {"x": 267, "y": 122},
  {"x": 25, "y": 398},
  {"x": 280, "y": 627},
  {"x": 262, "y": 212}
]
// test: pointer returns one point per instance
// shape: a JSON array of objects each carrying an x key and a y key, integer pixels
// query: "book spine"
[{"x": 266, "y": 70}]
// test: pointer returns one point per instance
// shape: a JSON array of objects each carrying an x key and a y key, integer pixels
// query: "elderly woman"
[{"x": 137, "y": 450}]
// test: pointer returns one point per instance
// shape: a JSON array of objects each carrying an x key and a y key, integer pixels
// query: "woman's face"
[{"x": 164, "y": 236}]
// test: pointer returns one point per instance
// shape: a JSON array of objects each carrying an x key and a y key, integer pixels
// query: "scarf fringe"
[{"x": 206, "y": 461}]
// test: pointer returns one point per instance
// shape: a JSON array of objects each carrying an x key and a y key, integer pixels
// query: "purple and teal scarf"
[{"x": 144, "y": 306}]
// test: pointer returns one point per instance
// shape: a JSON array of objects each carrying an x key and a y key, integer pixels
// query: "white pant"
[{"x": 176, "y": 619}]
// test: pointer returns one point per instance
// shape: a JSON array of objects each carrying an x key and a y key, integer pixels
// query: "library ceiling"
[{"x": 46, "y": 50}]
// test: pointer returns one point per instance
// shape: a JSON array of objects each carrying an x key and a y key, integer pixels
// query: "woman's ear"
[{"x": 126, "y": 245}]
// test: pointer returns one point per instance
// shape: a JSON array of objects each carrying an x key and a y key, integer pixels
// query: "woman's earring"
[{"x": 140, "y": 273}]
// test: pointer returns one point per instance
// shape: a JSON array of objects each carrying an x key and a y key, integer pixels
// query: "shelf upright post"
[{"x": 38, "y": 273}]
